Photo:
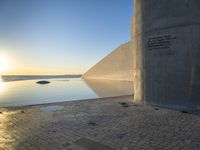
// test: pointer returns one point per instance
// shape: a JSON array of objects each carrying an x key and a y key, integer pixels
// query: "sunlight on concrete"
[{"x": 6, "y": 138}]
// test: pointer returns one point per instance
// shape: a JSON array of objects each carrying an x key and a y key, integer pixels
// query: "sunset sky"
[{"x": 60, "y": 36}]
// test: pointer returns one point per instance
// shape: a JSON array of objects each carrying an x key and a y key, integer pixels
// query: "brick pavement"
[{"x": 106, "y": 124}]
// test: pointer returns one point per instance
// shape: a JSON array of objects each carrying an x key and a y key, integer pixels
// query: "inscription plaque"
[{"x": 160, "y": 42}]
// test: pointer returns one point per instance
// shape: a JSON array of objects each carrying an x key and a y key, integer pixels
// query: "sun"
[{"x": 4, "y": 64}]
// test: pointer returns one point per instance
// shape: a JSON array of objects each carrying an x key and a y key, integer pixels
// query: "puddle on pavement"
[{"x": 51, "y": 108}]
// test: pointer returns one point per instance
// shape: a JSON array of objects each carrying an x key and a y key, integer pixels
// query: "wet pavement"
[{"x": 106, "y": 124}]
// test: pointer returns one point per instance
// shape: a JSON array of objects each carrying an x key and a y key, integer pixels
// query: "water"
[
  {"x": 9, "y": 78},
  {"x": 27, "y": 92},
  {"x": 52, "y": 108}
]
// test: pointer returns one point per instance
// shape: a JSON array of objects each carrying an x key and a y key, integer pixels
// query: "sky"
[{"x": 60, "y": 36}]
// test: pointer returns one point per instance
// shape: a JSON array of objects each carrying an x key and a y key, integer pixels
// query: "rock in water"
[{"x": 43, "y": 82}]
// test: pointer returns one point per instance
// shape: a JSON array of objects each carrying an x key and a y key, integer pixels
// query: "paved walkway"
[{"x": 108, "y": 124}]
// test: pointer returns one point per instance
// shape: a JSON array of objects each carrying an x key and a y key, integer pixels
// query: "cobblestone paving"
[{"x": 107, "y": 124}]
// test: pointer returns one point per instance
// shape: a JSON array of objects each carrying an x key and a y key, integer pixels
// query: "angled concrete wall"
[
  {"x": 118, "y": 65},
  {"x": 167, "y": 52}
]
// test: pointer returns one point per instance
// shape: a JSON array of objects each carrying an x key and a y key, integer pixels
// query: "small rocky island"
[{"x": 43, "y": 82}]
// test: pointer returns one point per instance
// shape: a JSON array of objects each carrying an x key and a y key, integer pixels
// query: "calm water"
[{"x": 27, "y": 92}]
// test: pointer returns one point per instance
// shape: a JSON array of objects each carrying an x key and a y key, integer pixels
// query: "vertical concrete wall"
[
  {"x": 167, "y": 51},
  {"x": 118, "y": 65}
]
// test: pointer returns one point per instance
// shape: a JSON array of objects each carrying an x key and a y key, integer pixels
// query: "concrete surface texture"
[
  {"x": 102, "y": 124},
  {"x": 118, "y": 65},
  {"x": 166, "y": 39}
]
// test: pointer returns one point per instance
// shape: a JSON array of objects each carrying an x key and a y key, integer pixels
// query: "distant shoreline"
[{"x": 9, "y": 78}]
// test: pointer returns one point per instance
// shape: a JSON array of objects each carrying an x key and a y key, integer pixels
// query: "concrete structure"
[
  {"x": 167, "y": 52},
  {"x": 163, "y": 57},
  {"x": 118, "y": 65}
]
